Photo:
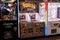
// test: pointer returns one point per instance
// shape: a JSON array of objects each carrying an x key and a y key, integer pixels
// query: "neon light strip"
[{"x": 46, "y": 14}]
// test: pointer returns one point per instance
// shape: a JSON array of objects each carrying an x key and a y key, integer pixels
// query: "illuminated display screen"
[{"x": 27, "y": 5}]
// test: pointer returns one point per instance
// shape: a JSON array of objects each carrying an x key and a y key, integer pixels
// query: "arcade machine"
[
  {"x": 9, "y": 18},
  {"x": 53, "y": 26},
  {"x": 51, "y": 18},
  {"x": 30, "y": 21}
]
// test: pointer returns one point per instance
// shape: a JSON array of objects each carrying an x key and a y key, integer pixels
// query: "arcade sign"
[{"x": 27, "y": 5}]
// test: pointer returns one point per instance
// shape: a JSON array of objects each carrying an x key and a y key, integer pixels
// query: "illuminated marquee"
[{"x": 28, "y": 5}]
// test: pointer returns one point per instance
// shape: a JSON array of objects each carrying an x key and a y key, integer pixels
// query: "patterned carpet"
[{"x": 47, "y": 38}]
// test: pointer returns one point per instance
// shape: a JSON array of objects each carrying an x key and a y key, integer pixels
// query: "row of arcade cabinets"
[
  {"x": 32, "y": 18},
  {"x": 8, "y": 19}
]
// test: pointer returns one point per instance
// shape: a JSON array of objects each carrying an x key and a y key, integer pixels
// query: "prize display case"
[{"x": 53, "y": 19}]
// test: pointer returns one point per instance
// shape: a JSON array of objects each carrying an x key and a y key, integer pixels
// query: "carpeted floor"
[{"x": 46, "y": 38}]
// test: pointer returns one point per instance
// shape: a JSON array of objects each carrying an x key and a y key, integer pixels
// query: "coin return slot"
[
  {"x": 30, "y": 30},
  {"x": 53, "y": 30}
]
